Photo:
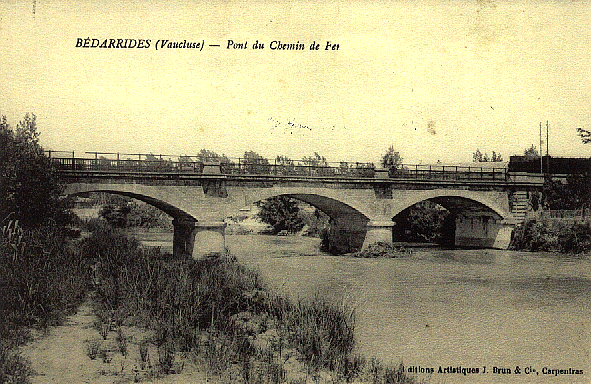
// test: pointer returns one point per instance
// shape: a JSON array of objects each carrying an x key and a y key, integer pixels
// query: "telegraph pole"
[
  {"x": 547, "y": 147},
  {"x": 541, "y": 154}
]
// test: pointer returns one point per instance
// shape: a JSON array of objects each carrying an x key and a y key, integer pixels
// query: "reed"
[
  {"x": 43, "y": 278},
  {"x": 223, "y": 315}
]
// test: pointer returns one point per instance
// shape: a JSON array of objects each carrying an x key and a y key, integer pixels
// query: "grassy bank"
[
  {"x": 220, "y": 315},
  {"x": 42, "y": 279},
  {"x": 553, "y": 236}
]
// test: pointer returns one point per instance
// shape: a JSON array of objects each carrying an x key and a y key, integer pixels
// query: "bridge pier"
[
  {"x": 378, "y": 231},
  {"x": 183, "y": 238},
  {"x": 198, "y": 239},
  {"x": 482, "y": 231},
  {"x": 352, "y": 234},
  {"x": 346, "y": 234}
]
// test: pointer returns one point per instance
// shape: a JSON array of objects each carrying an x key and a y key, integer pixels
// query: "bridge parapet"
[{"x": 342, "y": 170}]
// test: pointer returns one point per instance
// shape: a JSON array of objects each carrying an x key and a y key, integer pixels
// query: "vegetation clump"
[
  {"x": 42, "y": 276},
  {"x": 221, "y": 315},
  {"x": 281, "y": 213},
  {"x": 552, "y": 236},
  {"x": 382, "y": 249}
]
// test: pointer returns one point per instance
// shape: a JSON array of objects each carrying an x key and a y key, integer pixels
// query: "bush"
[
  {"x": 13, "y": 368},
  {"x": 544, "y": 235},
  {"x": 43, "y": 276},
  {"x": 281, "y": 213},
  {"x": 382, "y": 249},
  {"x": 121, "y": 212}
]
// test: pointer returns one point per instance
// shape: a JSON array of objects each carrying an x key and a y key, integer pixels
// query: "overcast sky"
[{"x": 436, "y": 80}]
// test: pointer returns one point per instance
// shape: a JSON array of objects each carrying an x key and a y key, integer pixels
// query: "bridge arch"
[
  {"x": 332, "y": 207},
  {"x": 458, "y": 202},
  {"x": 348, "y": 225},
  {"x": 185, "y": 221},
  {"x": 479, "y": 219},
  {"x": 171, "y": 210},
  {"x": 333, "y": 201}
]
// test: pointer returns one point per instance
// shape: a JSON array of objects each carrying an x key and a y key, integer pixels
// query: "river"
[{"x": 438, "y": 308}]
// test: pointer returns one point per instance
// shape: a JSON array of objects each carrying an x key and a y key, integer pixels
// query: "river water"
[{"x": 438, "y": 308}]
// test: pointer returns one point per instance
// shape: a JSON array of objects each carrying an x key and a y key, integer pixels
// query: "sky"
[{"x": 434, "y": 79}]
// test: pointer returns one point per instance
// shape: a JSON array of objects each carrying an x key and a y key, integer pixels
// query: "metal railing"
[
  {"x": 149, "y": 163},
  {"x": 447, "y": 172}
]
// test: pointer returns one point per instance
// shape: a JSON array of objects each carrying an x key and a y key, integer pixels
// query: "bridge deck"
[{"x": 80, "y": 167}]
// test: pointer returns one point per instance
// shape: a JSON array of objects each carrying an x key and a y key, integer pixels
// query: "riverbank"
[
  {"x": 153, "y": 318},
  {"x": 441, "y": 306},
  {"x": 43, "y": 278},
  {"x": 552, "y": 236},
  {"x": 219, "y": 315},
  {"x": 77, "y": 352}
]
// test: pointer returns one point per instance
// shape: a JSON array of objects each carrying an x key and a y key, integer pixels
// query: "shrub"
[
  {"x": 44, "y": 279},
  {"x": 93, "y": 347},
  {"x": 543, "y": 235},
  {"x": 382, "y": 249},
  {"x": 13, "y": 368}
]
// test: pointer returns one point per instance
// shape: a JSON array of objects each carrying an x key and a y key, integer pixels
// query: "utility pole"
[
  {"x": 541, "y": 154},
  {"x": 547, "y": 147}
]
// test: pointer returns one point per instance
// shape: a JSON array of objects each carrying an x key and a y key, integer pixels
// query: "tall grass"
[
  {"x": 222, "y": 314},
  {"x": 42, "y": 279}
]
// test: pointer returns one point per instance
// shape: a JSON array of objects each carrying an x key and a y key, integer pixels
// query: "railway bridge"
[{"x": 361, "y": 200}]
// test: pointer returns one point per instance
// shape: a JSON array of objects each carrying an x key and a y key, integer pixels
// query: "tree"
[
  {"x": 281, "y": 213},
  {"x": 315, "y": 161},
  {"x": 207, "y": 156},
  {"x": 422, "y": 222},
  {"x": 254, "y": 158},
  {"x": 29, "y": 185},
  {"x": 531, "y": 151},
  {"x": 585, "y": 135},
  {"x": 574, "y": 194},
  {"x": 496, "y": 158},
  {"x": 578, "y": 190},
  {"x": 478, "y": 157},
  {"x": 283, "y": 160},
  {"x": 426, "y": 221},
  {"x": 286, "y": 165},
  {"x": 391, "y": 159},
  {"x": 255, "y": 163},
  {"x": 152, "y": 157}
]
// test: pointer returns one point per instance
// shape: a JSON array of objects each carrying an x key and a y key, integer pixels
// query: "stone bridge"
[{"x": 362, "y": 210}]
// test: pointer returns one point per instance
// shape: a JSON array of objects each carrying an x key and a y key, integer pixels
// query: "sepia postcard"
[{"x": 432, "y": 127}]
